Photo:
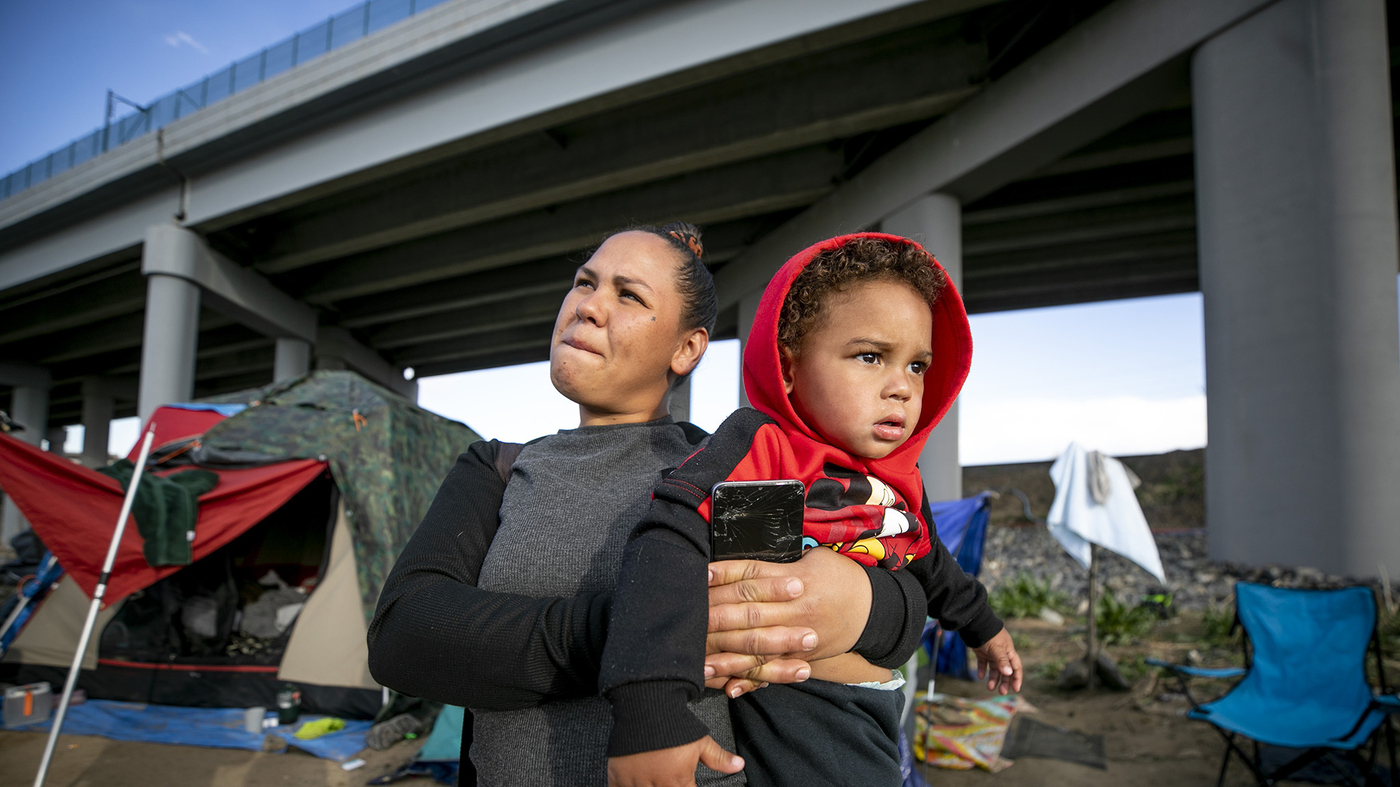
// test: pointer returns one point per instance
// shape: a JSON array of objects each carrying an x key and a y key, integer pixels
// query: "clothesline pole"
[
  {"x": 94, "y": 607},
  {"x": 1092, "y": 657}
]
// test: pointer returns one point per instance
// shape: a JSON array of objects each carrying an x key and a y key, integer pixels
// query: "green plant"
[
  {"x": 1120, "y": 624},
  {"x": 1218, "y": 624},
  {"x": 1051, "y": 669},
  {"x": 1134, "y": 669},
  {"x": 1021, "y": 642},
  {"x": 1024, "y": 597}
]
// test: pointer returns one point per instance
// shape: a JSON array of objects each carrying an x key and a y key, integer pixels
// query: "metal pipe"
[{"x": 93, "y": 608}]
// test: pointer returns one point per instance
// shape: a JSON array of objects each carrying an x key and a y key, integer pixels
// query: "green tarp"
[{"x": 388, "y": 456}]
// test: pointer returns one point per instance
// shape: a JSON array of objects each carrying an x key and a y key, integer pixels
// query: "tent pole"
[
  {"x": 93, "y": 608},
  {"x": 1093, "y": 655}
]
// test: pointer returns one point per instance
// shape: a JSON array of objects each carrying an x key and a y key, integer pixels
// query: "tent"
[{"x": 321, "y": 482}]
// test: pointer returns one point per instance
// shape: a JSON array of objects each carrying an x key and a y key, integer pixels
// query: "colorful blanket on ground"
[
  {"x": 962, "y": 734},
  {"x": 220, "y": 728}
]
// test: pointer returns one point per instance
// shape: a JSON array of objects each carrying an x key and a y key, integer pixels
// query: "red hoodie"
[
  {"x": 847, "y": 510},
  {"x": 872, "y": 510}
]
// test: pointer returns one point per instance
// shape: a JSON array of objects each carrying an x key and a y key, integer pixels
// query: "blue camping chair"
[{"x": 1305, "y": 684}]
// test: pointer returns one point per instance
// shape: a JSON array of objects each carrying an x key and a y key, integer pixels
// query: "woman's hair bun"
[{"x": 688, "y": 235}]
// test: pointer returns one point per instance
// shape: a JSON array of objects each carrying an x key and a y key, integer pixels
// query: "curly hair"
[{"x": 836, "y": 270}]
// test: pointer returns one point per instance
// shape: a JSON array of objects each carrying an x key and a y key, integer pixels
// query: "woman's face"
[{"x": 618, "y": 337}]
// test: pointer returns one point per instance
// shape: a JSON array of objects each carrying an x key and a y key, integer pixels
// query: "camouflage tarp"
[{"x": 388, "y": 455}]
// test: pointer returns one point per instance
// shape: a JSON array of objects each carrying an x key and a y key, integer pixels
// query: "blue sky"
[
  {"x": 1126, "y": 376},
  {"x": 59, "y": 57}
]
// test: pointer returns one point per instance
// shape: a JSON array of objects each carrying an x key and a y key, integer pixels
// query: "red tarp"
[
  {"x": 174, "y": 423},
  {"x": 74, "y": 510}
]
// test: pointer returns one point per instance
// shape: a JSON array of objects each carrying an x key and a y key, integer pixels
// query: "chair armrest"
[
  {"x": 1203, "y": 672},
  {"x": 1390, "y": 703}
]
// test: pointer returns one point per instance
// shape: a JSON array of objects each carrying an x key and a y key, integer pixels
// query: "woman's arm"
[{"x": 436, "y": 635}]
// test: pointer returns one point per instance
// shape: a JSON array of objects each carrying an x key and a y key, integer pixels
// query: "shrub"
[
  {"x": 1024, "y": 597},
  {"x": 1120, "y": 624}
]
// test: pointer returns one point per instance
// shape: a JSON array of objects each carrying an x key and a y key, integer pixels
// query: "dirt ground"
[{"x": 1147, "y": 739}]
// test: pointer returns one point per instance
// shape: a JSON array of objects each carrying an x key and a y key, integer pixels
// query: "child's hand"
[
  {"x": 998, "y": 662},
  {"x": 673, "y": 766}
]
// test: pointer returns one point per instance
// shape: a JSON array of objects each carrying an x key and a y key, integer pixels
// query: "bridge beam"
[
  {"x": 1119, "y": 64},
  {"x": 1296, "y": 196}
]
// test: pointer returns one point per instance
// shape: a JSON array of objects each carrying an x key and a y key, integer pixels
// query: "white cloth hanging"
[{"x": 1095, "y": 504}]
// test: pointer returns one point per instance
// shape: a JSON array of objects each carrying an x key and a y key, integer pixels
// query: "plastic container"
[
  {"x": 253, "y": 719},
  {"x": 28, "y": 704},
  {"x": 288, "y": 704}
]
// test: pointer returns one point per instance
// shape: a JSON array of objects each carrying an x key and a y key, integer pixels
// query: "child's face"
[{"x": 859, "y": 379}]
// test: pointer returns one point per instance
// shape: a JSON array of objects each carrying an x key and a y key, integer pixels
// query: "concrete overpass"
[{"x": 420, "y": 197}]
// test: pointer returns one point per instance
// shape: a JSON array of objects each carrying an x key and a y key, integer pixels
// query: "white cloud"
[
  {"x": 180, "y": 38},
  {"x": 1035, "y": 429}
]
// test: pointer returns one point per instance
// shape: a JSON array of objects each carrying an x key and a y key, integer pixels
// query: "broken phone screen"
[{"x": 757, "y": 520}]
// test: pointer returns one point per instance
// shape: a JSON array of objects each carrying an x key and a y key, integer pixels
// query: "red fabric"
[
  {"x": 174, "y": 423},
  {"x": 74, "y": 510},
  {"x": 792, "y": 449}
]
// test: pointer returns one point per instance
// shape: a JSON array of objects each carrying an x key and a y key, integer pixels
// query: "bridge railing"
[{"x": 335, "y": 32}]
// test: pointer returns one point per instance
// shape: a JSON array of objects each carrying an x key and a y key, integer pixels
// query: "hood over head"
[{"x": 952, "y": 358}]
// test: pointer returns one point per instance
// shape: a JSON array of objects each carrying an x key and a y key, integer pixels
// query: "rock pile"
[{"x": 1194, "y": 581}]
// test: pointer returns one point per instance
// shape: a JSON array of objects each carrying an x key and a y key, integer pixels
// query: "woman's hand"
[
  {"x": 673, "y": 766},
  {"x": 767, "y": 620}
]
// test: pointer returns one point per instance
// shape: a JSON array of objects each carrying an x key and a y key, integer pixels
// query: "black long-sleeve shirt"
[{"x": 436, "y": 635}]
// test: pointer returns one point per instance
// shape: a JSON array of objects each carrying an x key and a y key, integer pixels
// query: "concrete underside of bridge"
[{"x": 423, "y": 196}]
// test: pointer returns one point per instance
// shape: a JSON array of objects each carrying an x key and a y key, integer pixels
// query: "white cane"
[{"x": 93, "y": 608}]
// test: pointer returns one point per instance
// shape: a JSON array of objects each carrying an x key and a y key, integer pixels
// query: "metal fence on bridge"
[{"x": 311, "y": 43}]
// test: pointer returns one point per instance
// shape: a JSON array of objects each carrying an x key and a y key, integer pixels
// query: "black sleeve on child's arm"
[
  {"x": 436, "y": 635},
  {"x": 654, "y": 659},
  {"x": 898, "y": 610},
  {"x": 955, "y": 598}
]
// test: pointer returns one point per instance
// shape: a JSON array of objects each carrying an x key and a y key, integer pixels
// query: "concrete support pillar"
[
  {"x": 748, "y": 307},
  {"x": 935, "y": 221},
  {"x": 292, "y": 359},
  {"x": 98, "y": 409},
  {"x": 1295, "y": 195},
  {"x": 168, "y": 342},
  {"x": 29, "y": 407},
  {"x": 679, "y": 404}
]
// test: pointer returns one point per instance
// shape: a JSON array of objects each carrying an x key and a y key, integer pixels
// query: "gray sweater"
[{"x": 572, "y": 500}]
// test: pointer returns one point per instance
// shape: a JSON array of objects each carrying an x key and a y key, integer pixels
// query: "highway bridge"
[{"x": 419, "y": 195}]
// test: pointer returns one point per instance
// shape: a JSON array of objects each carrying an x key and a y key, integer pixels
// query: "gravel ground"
[{"x": 1194, "y": 581}]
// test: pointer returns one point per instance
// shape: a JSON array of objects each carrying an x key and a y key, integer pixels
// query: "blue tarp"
[
  {"x": 220, "y": 728},
  {"x": 962, "y": 527},
  {"x": 226, "y": 410},
  {"x": 445, "y": 742}
]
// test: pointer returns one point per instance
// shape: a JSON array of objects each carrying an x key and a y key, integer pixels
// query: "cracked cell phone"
[{"x": 757, "y": 520}]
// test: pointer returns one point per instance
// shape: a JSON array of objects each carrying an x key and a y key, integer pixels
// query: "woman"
[{"x": 500, "y": 601}]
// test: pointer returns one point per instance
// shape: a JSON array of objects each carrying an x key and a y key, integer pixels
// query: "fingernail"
[
  {"x": 794, "y": 586},
  {"x": 809, "y": 641},
  {"x": 710, "y": 574},
  {"x": 709, "y": 672},
  {"x": 736, "y": 761},
  {"x": 1006, "y": 670},
  {"x": 735, "y": 692},
  {"x": 803, "y": 673}
]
